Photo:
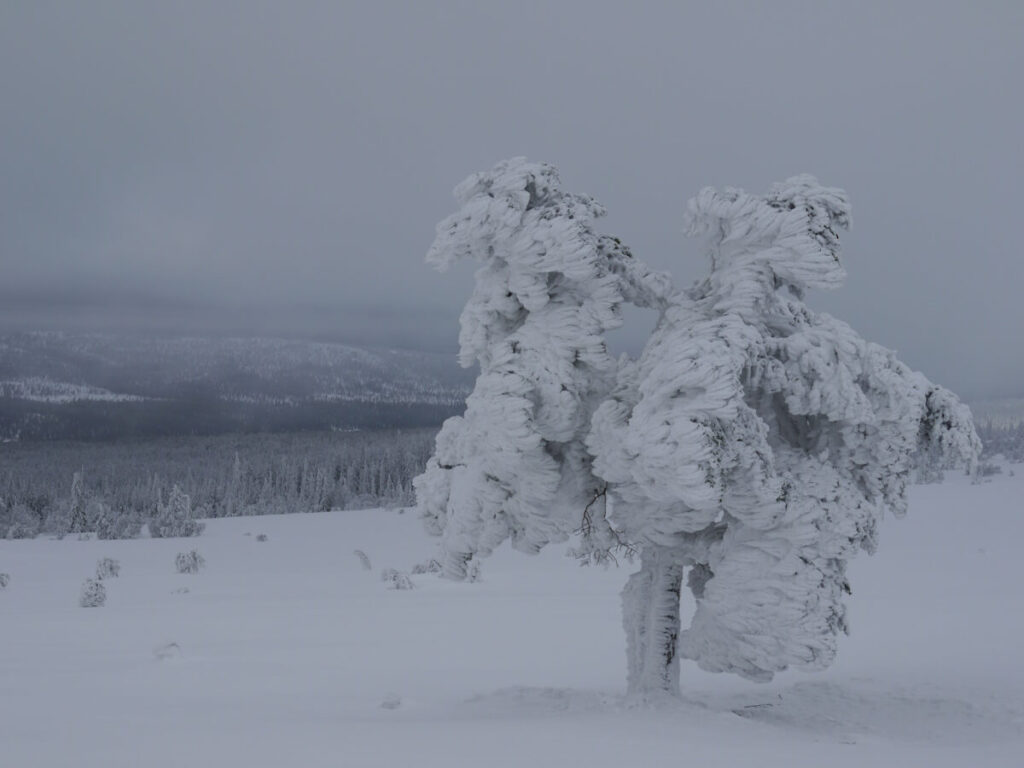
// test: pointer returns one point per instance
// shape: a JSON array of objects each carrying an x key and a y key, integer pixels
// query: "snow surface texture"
[{"x": 285, "y": 653}]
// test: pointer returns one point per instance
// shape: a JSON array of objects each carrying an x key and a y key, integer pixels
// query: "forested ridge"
[{"x": 225, "y": 475}]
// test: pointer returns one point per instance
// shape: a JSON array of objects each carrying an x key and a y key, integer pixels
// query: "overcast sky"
[{"x": 280, "y": 167}]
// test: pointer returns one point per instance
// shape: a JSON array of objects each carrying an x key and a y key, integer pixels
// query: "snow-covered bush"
[
  {"x": 396, "y": 579},
  {"x": 107, "y": 567},
  {"x": 21, "y": 523},
  {"x": 5, "y": 579},
  {"x": 174, "y": 518},
  {"x": 93, "y": 594},
  {"x": 261, "y": 537},
  {"x": 189, "y": 562},
  {"x": 363, "y": 559},
  {"x": 428, "y": 566},
  {"x": 989, "y": 469},
  {"x": 755, "y": 443}
]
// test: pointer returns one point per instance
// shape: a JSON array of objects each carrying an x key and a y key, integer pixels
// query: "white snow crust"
[{"x": 282, "y": 652}]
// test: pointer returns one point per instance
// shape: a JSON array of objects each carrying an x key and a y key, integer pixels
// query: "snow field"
[{"x": 288, "y": 652}]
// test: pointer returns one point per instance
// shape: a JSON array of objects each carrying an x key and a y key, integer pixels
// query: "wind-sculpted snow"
[
  {"x": 549, "y": 287},
  {"x": 754, "y": 441},
  {"x": 751, "y": 416}
]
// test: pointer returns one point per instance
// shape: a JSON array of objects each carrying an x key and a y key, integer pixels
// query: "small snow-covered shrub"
[
  {"x": 5, "y": 579},
  {"x": 21, "y": 530},
  {"x": 93, "y": 595},
  {"x": 189, "y": 562},
  {"x": 107, "y": 567},
  {"x": 22, "y": 524},
  {"x": 396, "y": 579},
  {"x": 989, "y": 468},
  {"x": 429, "y": 566},
  {"x": 363, "y": 559},
  {"x": 391, "y": 701},
  {"x": 261, "y": 537}
]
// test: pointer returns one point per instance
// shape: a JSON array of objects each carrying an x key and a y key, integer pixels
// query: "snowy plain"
[{"x": 288, "y": 652}]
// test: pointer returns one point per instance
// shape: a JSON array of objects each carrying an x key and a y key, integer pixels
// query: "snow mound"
[{"x": 845, "y": 711}]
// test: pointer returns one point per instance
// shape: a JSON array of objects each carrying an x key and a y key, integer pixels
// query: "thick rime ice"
[
  {"x": 514, "y": 465},
  {"x": 650, "y": 614},
  {"x": 754, "y": 442},
  {"x": 763, "y": 442}
]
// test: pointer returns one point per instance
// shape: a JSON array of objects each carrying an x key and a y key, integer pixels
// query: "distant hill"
[{"x": 103, "y": 386}]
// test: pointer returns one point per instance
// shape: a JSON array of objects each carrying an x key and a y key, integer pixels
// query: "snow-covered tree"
[
  {"x": 514, "y": 466},
  {"x": 752, "y": 449},
  {"x": 115, "y": 524},
  {"x": 175, "y": 517},
  {"x": 759, "y": 444},
  {"x": 20, "y": 523},
  {"x": 77, "y": 505}
]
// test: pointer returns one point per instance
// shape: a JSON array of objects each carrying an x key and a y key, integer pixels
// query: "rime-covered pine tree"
[
  {"x": 77, "y": 506},
  {"x": 548, "y": 288},
  {"x": 755, "y": 443},
  {"x": 758, "y": 444},
  {"x": 175, "y": 517}
]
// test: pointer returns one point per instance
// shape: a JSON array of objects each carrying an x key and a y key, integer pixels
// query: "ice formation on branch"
[
  {"x": 760, "y": 443},
  {"x": 548, "y": 288}
]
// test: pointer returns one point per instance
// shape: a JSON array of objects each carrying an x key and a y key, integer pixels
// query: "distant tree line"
[
  {"x": 203, "y": 414},
  {"x": 1005, "y": 439},
  {"x": 114, "y": 488}
]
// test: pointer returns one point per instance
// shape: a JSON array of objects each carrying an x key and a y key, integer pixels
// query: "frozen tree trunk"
[{"x": 650, "y": 615}]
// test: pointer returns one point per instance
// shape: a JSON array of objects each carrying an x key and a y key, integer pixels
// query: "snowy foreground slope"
[{"x": 285, "y": 651}]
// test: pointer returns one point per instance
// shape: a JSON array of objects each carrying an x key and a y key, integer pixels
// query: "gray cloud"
[{"x": 281, "y": 166}]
